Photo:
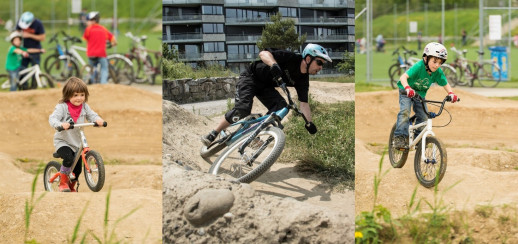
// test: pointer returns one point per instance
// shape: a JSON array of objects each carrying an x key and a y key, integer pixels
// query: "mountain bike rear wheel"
[
  {"x": 395, "y": 72},
  {"x": 397, "y": 157},
  {"x": 60, "y": 69},
  {"x": 94, "y": 178},
  {"x": 451, "y": 75},
  {"x": 430, "y": 170},
  {"x": 51, "y": 169},
  {"x": 123, "y": 70},
  {"x": 265, "y": 148},
  {"x": 489, "y": 75}
]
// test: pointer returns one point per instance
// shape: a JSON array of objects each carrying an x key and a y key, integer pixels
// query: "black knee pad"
[{"x": 235, "y": 115}]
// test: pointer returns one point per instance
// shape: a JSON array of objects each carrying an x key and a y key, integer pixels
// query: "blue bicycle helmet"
[
  {"x": 26, "y": 20},
  {"x": 316, "y": 50}
]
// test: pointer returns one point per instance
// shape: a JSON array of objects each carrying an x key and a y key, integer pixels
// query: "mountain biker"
[
  {"x": 418, "y": 79},
  {"x": 33, "y": 33},
  {"x": 96, "y": 37},
  {"x": 71, "y": 108},
  {"x": 16, "y": 53},
  {"x": 261, "y": 78}
]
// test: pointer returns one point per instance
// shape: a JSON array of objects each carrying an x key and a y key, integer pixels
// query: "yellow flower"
[{"x": 358, "y": 234}]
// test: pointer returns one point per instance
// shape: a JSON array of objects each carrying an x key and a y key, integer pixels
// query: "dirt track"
[
  {"x": 481, "y": 144},
  {"x": 182, "y": 131},
  {"x": 131, "y": 140}
]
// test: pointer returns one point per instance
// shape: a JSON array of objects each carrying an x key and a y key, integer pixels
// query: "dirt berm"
[
  {"x": 280, "y": 206},
  {"x": 130, "y": 146}
]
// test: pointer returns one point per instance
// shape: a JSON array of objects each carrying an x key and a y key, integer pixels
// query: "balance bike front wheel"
[
  {"x": 51, "y": 176},
  {"x": 95, "y": 176}
]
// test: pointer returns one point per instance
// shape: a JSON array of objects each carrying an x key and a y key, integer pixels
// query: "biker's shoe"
[
  {"x": 63, "y": 183},
  {"x": 72, "y": 185},
  {"x": 208, "y": 139},
  {"x": 400, "y": 142}
]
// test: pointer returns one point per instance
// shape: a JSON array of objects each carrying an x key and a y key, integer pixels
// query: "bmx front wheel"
[
  {"x": 256, "y": 158},
  {"x": 430, "y": 170},
  {"x": 397, "y": 157},
  {"x": 50, "y": 171},
  {"x": 95, "y": 177}
]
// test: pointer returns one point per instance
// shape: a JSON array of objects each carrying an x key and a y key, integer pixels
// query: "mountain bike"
[
  {"x": 396, "y": 70},
  {"x": 63, "y": 64},
  {"x": 253, "y": 146},
  {"x": 488, "y": 72},
  {"x": 143, "y": 63},
  {"x": 93, "y": 165},
  {"x": 430, "y": 159},
  {"x": 42, "y": 80}
]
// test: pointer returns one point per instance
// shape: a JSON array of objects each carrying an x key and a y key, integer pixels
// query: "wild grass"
[
  {"x": 337, "y": 79},
  {"x": 172, "y": 69},
  {"x": 330, "y": 152}
]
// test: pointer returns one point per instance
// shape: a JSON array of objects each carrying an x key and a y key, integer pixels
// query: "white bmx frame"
[
  {"x": 422, "y": 136},
  {"x": 33, "y": 71}
]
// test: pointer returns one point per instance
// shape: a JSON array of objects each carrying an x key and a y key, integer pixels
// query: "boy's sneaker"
[
  {"x": 400, "y": 142},
  {"x": 208, "y": 139}
]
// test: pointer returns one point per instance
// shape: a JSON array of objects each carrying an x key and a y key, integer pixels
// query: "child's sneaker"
[
  {"x": 72, "y": 186},
  {"x": 63, "y": 183},
  {"x": 400, "y": 142},
  {"x": 208, "y": 139}
]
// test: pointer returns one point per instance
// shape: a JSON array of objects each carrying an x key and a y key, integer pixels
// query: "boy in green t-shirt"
[
  {"x": 418, "y": 79},
  {"x": 14, "y": 58}
]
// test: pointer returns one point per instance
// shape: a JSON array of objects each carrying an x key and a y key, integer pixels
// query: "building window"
[
  {"x": 212, "y": 10},
  {"x": 212, "y": 28},
  {"x": 247, "y": 14},
  {"x": 288, "y": 12},
  {"x": 214, "y": 47}
]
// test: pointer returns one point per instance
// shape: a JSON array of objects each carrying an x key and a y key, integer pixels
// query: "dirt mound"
[
  {"x": 264, "y": 217},
  {"x": 280, "y": 185},
  {"x": 130, "y": 145},
  {"x": 481, "y": 145}
]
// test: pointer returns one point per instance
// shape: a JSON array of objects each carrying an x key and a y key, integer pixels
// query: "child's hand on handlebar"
[
  {"x": 410, "y": 93},
  {"x": 65, "y": 126},
  {"x": 453, "y": 97},
  {"x": 99, "y": 122}
]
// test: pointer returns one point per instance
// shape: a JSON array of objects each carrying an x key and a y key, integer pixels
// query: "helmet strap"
[
  {"x": 426, "y": 60},
  {"x": 308, "y": 64}
]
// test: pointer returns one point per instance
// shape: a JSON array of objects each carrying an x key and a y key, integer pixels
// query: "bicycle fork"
[{"x": 422, "y": 137}]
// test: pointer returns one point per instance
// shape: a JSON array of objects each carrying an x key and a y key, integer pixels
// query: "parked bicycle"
[
  {"x": 93, "y": 165},
  {"x": 63, "y": 64},
  {"x": 396, "y": 70},
  {"x": 42, "y": 80},
  {"x": 253, "y": 144},
  {"x": 488, "y": 72},
  {"x": 430, "y": 159},
  {"x": 144, "y": 70}
]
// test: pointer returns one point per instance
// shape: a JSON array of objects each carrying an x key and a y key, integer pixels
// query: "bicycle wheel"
[
  {"x": 49, "y": 60},
  {"x": 123, "y": 70},
  {"x": 430, "y": 170},
  {"x": 62, "y": 69},
  {"x": 46, "y": 81},
  {"x": 5, "y": 80},
  {"x": 265, "y": 148},
  {"x": 87, "y": 74},
  {"x": 462, "y": 80},
  {"x": 451, "y": 75},
  {"x": 489, "y": 74},
  {"x": 392, "y": 72},
  {"x": 142, "y": 72},
  {"x": 397, "y": 157},
  {"x": 207, "y": 152},
  {"x": 50, "y": 171},
  {"x": 94, "y": 178},
  {"x": 112, "y": 76}
]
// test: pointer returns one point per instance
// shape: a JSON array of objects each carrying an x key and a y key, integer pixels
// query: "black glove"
[
  {"x": 312, "y": 128},
  {"x": 276, "y": 72}
]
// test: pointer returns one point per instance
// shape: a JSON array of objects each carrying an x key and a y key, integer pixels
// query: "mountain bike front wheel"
[
  {"x": 397, "y": 157},
  {"x": 430, "y": 170},
  {"x": 489, "y": 74},
  {"x": 256, "y": 159},
  {"x": 95, "y": 177}
]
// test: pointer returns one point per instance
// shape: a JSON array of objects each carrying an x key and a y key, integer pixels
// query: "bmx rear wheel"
[
  {"x": 430, "y": 170},
  {"x": 94, "y": 178},
  {"x": 51, "y": 169},
  {"x": 397, "y": 157}
]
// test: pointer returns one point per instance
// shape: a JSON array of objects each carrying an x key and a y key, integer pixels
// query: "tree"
[
  {"x": 170, "y": 54},
  {"x": 280, "y": 34},
  {"x": 347, "y": 64}
]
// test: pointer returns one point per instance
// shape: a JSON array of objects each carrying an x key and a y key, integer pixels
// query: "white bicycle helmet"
[
  {"x": 15, "y": 34},
  {"x": 435, "y": 49},
  {"x": 26, "y": 20},
  {"x": 94, "y": 15},
  {"x": 316, "y": 50}
]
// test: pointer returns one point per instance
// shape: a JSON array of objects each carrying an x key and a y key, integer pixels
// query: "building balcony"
[
  {"x": 329, "y": 21},
  {"x": 191, "y": 2},
  {"x": 242, "y": 57},
  {"x": 190, "y": 57},
  {"x": 248, "y": 21},
  {"x": 336, "y": 55},
  {"x": 235, "y": 39},
  {"x": 326, "y": 4},
  {"x": 329, "y": 38},
  {"x": 184, "y": 19},
  {"x": 183, "y": 37},
  {"x": 251, "y": 3}
]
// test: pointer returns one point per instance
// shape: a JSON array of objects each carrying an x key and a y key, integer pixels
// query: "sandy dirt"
[
  {"x": 182, "y": 130},
  {"x": 481, "y": 144},
  {"x": 130, "y": 144}
]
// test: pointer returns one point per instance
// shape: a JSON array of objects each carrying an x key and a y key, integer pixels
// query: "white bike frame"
[
  {"x": 421, "y": 137},
  {"x": 33, "y": 71}
]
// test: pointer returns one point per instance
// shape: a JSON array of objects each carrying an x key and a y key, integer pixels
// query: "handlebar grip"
[
  {"x": 448, "y": 99},
  {"x": 60, "y": 128},
  {"x": 104, "y": 124}
]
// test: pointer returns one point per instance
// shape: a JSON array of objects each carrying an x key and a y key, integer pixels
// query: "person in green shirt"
[
  {"x": 418, "y": 79},
  {"x": 16, "y": 52}
]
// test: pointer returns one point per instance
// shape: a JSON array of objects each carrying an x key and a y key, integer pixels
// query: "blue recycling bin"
[{"x": 499, "y": 53}]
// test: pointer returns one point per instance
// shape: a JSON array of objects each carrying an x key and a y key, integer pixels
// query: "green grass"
[
  {"x": 330, "y": 152},
  {"x": 338, "y": 79}
]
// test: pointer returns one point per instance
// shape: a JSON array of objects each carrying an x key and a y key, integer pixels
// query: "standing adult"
[
  {"x": 82, "y": 20},
  {"x": 464, "y": 35},
  {"x": 419, "y": 39},
  {"x": 33, "y": 34},
  {"x": 96, "y": 37}
]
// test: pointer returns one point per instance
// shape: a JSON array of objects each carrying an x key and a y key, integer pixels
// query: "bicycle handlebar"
[
  {"x": 72, "y": 126},
  {"x": 418, "y": 98}
]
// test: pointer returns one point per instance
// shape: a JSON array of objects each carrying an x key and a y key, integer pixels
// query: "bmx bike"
[
  {"x": 253, "y": 144},
  {"x": 430, "y": 159},
  {"x": 93, "y": 166},
  {"x": 41, "y": 80}
]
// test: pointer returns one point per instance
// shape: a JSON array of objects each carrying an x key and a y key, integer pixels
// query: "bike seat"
[
  {"x": 480, "y": 53},
  {"x": 56, "y": 155}
]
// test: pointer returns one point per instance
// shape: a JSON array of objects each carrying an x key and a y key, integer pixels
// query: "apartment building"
[{"x": 226, "y": 31}]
